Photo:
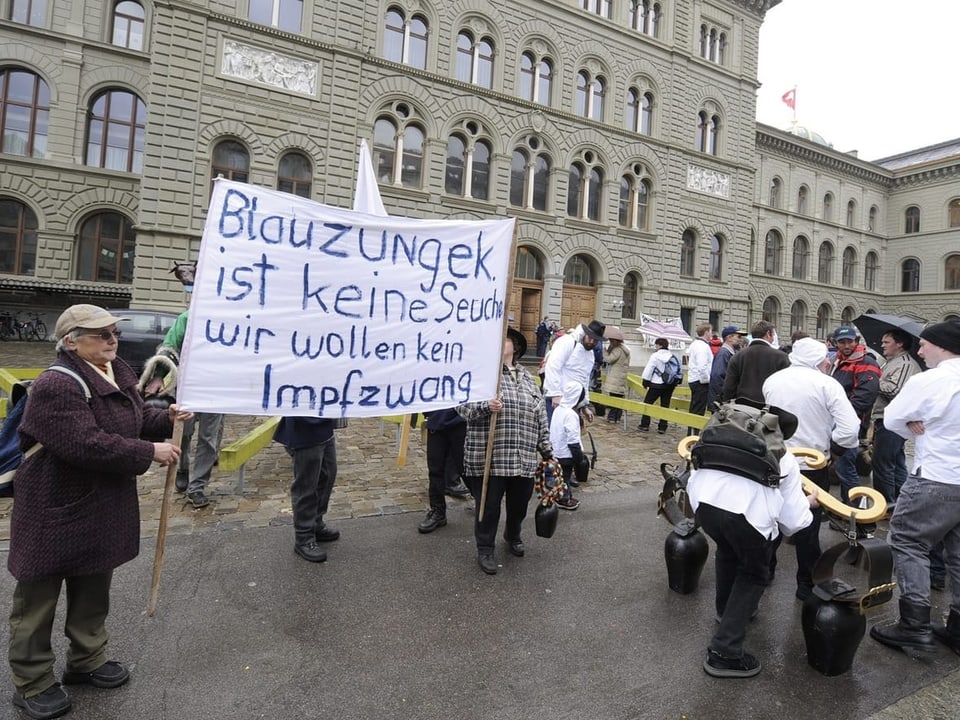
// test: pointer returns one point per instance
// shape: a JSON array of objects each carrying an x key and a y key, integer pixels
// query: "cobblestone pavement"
[{"x": 369, "y": 480}]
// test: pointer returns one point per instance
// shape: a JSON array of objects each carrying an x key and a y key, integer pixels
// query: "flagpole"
[{"x": 794, "y": 106}]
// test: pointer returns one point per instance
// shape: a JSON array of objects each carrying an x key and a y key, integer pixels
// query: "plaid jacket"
[{"x": 521, "y": 430}]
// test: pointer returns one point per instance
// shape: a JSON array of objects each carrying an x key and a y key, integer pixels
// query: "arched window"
[
  {"x": 528, "y": 265},
  {"x": 106, "y": 249},
  {"x": 824, "y": 321},
  {"x": 848, "y": 269},
  {"x": 116, "y": 127},
  {"x": 801, "y": 258},
  {"x": 639, "y": 111},
  {"x": 597, "y": 7},
  {"x": 825, "y": 263},
  {"x": 29, "y": 12},
  {"x": 716, "y": 257},
  {"x": 708, "y": 132},
  {"x": 910, "y": 276},
  {"x": 398, "y": 141},
  {"x": 771, "y": 310},
  {"x": 128, "y": 20},
  {"x": 803, "y": 195},
  {"x": 536, "y": 78},
  {"x": 775, "y": 187},
  {"x": 798, "y": 316},
  {"x": 851, "y": 213},
  {"x": 911, "y": 219},
  {"x": 24, "y": 113},
  {"x": 953, "y": 213},
  {"x": 475, "y": 59},
  {"x": 631, "y": 296},
  {"x": 634, "y": 198},
  {"x": 645, "y": 17},
  {"x": 871, "y": 267},
  {"x": 18, "y": 238},
  {"x": 295, "y": 174},
  {"x": 828, "y": 207},
  {"x": 688, "y": 254},
  {"x": 872, "y": 219},
  {"x": 590, "y": 95},
  {"x": 468, "y": 162},
  {"x": 951, "y": 273},
  {"x": 578, "y": 272},
  {"x": 530, "y": 175},
  {"x": 405, "y": 42},
  {"x": 847, "y": 315},
  {"x": 231, "y": 160},
  {"x": 283, "y": 14},
  {"x": 773, "y": 253},
  {"x": 585, "y": 187}
]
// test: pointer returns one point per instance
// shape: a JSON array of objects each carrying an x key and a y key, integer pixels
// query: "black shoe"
[
  {"x": 661, "y": 432},
  {"x": 310, "y": 551},
  {"x": 435, "y": 519},
  {"x": 804, "y": 591},
  {"x": 325, "y": 533},
  {"x": 457, "y": 491},
  {"x": 641, "y": 428},
  {"x": 516, "y": 547},
  {"x": 109, "y": 675},
  {"x": 719, "y": 666},
  {"x": 571, "y": 503},
  {"x": 198, "y": 499},
  {"x": 52, "y": 702},
  {"x": 183, "y": 479},
  {"x": 487, "y": 563}
]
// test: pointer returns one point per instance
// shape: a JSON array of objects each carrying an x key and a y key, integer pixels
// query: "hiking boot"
[
  {"x": 435, "y": 518},
  {"x": 487, "y": 563},
  {"x": 310, "y": 551},
  {"x": 911, "y": 633},
  {"x": 51, "y": 703},
  {"x": 183, "y": 479},
  {"x": 570, "y": 503},
  {"x": 109, "y": 675},
  {"x": 325, "y": 533},
  {"x": 457, "y": 491},
  {"x": 198, "y": 499},
  {"x": 949, "y": 635},
  {"x": 720, "y": 666}
]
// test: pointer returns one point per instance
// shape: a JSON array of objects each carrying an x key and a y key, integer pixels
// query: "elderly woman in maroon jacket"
[{"x": 75, "y": 516}]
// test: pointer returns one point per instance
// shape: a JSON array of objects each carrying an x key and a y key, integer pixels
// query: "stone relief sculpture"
[
  {"x": 268, "y": 67},
  {"x": 708, "y": 181}
]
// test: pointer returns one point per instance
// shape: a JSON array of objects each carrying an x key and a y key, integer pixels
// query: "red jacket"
[{"x": 859, "y": 375}]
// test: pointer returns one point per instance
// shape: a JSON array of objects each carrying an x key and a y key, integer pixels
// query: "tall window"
[
  {"x": 536, "y": 78},
  {"x": 825, "y": 263},
  {"x": 398, "y": 141},
  {"x": 951, "y": 273},
  {"x": 775, "y": 188},
  {"x": 688, "y": 254},
  {"x": 578, "y": 272},
  {"x": 590, "y": 95},
  {"x": 106, "y": 249},
  {"x": 18, "y": 238},
  {"x": 910, "y": 276},
  {"x": 585, "y": 188},
  {"x": 283, "y": 14},
  {"x": 128, "y": 19},
  {"x": 828, "y": 207},
  {"x": 295, "y": 174},
  {"x": 911, "y": 218},
  {"x": 848, "y": 269},
  {"x": 230, "y": 159},
  {"x": 851, "y": 213},
  {"x": 24, "y": 113},
  {"x": 803, "y": 195},
  {"x": 468, "y": 163},
  {"x": 801, "y": 258},
  {"x": 871, "y": 266},
  {"x": 405, "y": 41},
  {"x": 634, "y": 198},
  {"x": 29, "y": 12},
  {"x": 528, "y": 265},
  {"x": 639, "y": 117},
  {"x": 597, "y": 7},
  {"x": 645, "y": 17},
  {"x": 824, "y": 321},
  {"x": 708, "y": 132},
  {"x": 771, "y": 310},
  {"x": 953, "y": 213},
  {"x": 713, "y": 44},
  {"x": 872, "y": 219},
  {"x": 475, "y": 59},
  {"x": 530, "y": 175},
  {"x": 798, "y": 316},
  {"x": 116, "y": 127},
  {"x": 773, "y": 253},
  {"x": 630, "y": 297},
  {"x": 716, "y": 257}
]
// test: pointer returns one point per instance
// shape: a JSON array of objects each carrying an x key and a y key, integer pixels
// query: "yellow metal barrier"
[{"x": 10, "y": 377}]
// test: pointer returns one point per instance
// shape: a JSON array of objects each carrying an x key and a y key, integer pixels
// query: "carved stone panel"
[
  {"x": 268, "y": 67},
  {"x": 708, "y": 181}
]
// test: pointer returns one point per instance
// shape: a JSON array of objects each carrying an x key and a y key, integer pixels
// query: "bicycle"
[{"x": 32, "y": 329}]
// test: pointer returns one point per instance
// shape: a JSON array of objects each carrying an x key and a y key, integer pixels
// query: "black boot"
[
  {"x": 950, "y": 635},
  {"x": 912, "y": 633},
  {"x": 435, "y": 518}
]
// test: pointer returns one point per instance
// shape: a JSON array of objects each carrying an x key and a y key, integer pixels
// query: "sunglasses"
[{"x": 105, "y": 334}]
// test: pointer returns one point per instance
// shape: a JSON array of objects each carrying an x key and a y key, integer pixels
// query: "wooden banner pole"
[{"x": 162, "y": 529}]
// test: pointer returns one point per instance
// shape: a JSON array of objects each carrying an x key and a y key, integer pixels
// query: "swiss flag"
[{"x": 790, "y": 98}]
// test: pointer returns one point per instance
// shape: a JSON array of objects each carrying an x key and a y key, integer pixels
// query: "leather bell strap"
[
  {"x": 673, "y": 503},
  {"x": 872, "y": 553}
]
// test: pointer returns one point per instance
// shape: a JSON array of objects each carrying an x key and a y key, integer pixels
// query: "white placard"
[{"x": 302, "y": 309}]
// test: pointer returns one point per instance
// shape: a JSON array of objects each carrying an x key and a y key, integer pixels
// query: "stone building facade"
[{"x": 621, "y": 133}]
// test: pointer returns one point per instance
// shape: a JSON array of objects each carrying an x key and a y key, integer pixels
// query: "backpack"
[
  {"x": 10, "y": 455},
  {"x": 672, "y": 373},
  {"x": 742, "y": 440}
]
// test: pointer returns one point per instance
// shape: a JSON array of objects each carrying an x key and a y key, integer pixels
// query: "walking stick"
[{"x": 162, "y": 530}]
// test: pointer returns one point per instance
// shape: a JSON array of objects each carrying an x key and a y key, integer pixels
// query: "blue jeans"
[
  {"x": 927, "y": 512},
  {"x": 889, "y": 462},
  {"x": 314, "y": 472},
  {"x": 846, "y": 467}
]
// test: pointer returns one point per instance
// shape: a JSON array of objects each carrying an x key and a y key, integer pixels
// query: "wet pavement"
[{"x": 398, "y": 624}]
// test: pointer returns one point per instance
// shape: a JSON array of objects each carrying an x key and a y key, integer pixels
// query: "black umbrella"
[{"x": 873, "y": 327}]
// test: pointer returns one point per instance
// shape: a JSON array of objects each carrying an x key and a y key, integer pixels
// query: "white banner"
[{"x": 302, "y": 309}]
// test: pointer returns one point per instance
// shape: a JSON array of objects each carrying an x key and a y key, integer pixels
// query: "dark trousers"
[
  {"x": 743, "y": 573},
  {"x": 31, "y": 627},
  {"x": 698, "y": 402},
  {"x": 444, "y": 462},
  {"x": 314, "y": 473},
  {"x": 663, "y": 393},
  {"x": 889, "y": 462},
  {"x": 806, "y": 541},
  {"x": 614, "y": 414},
  {"x": 517, "y": 491}
]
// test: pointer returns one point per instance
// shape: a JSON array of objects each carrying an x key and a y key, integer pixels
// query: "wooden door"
[{"x": 579, "y": 305}]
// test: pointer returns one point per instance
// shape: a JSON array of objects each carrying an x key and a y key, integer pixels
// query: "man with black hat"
[
  {"x": 731, "y": 335},
  {"x": 928, "y": 508},
  {"x": 744, "y": 519},
  {"x": 570, "y": 358}
]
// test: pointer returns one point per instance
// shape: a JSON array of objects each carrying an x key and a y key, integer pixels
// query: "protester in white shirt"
[
  {"x": 570, "y": 358},
  {"x": 699, "y": 363}
]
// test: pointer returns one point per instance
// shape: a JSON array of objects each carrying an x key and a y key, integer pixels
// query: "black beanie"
[{"x": 945, "y": 335}]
